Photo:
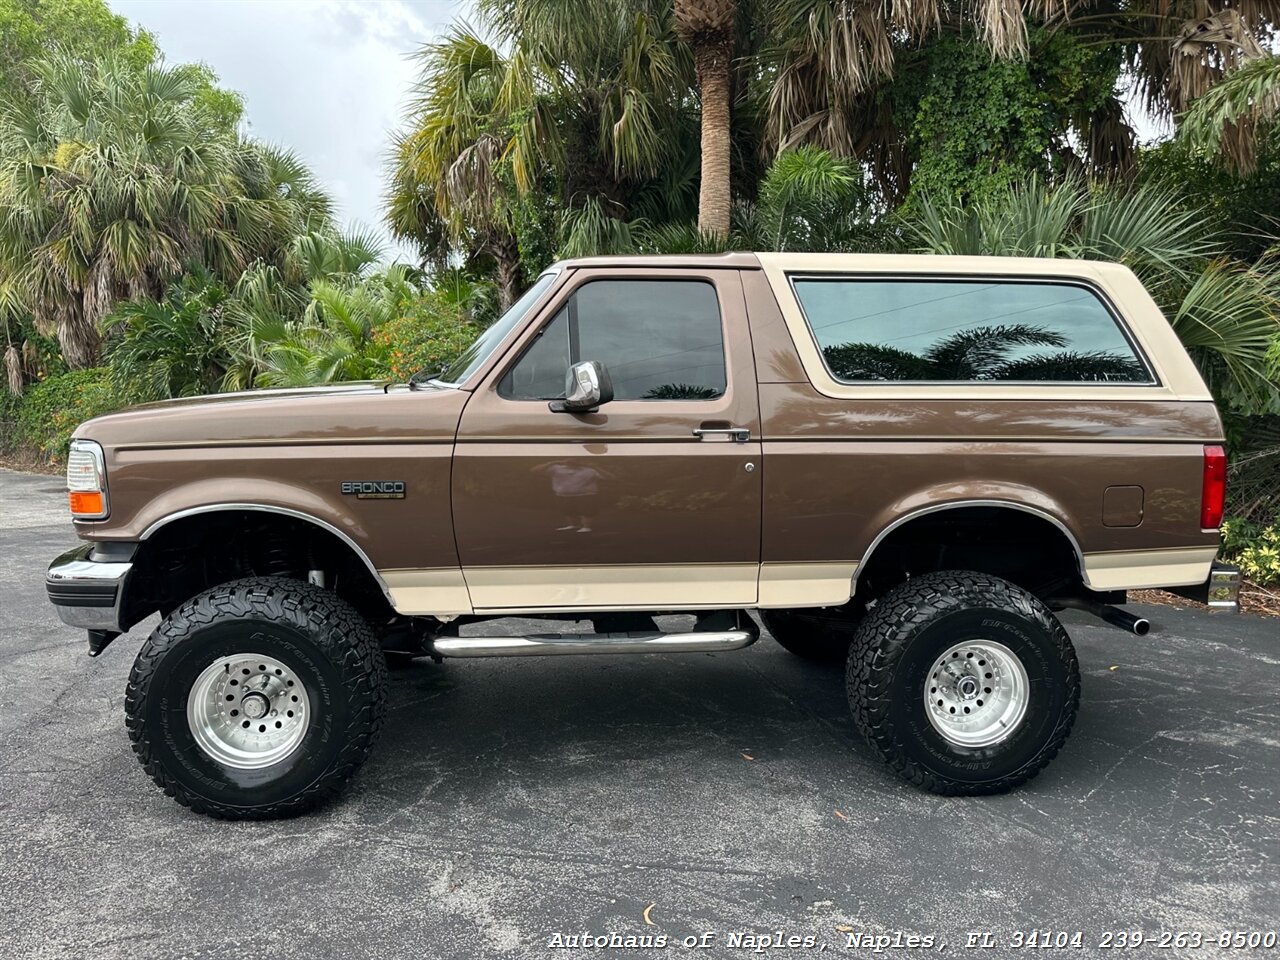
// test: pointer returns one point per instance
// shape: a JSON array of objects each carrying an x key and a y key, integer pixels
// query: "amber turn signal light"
[{"x": 86, "y": 503}]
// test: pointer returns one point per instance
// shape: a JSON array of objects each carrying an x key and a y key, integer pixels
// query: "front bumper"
[
  {"x": 86, "y": 592},
  {"x": 1220, "y": 592}
]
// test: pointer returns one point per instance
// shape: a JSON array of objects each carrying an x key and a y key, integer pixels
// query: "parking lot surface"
[{"x": 513, "y": 800}]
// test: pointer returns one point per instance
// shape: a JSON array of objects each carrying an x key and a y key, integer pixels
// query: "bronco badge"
[{"x": 374, "y": 489}]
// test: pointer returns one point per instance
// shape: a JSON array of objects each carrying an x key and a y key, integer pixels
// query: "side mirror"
[{"x": 586, "y": 386}]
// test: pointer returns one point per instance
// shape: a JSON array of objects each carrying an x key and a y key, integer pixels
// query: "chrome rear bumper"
[{"x": 1220, "y": 592}]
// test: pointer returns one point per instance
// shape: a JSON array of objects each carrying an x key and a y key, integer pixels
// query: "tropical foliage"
[
  {"x": 334, "y": 338},
  {"x": 117, "y": 177},
  {"x": 427, "y": 337},
  {"x": 1255, "y": 547},
  {"x": 1237, "y": 113},
  {"x": 1227, "y": 313},
  {"x": 548, "y": 114},
  {"x": 54, "y": 407},
  {"x": 86, "y": 28},
  {"x": 149, "y": 248},
  {"x": 173, "y": 347}
]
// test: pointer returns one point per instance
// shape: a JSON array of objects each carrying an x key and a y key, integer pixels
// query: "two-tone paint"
[{"x": 784, "y": 518}]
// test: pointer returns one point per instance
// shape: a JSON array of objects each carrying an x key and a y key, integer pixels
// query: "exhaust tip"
[{"x": 1142, "y": 626}]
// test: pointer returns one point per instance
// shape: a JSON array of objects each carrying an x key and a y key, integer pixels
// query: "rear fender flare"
[{"x": 930, "y": 502}]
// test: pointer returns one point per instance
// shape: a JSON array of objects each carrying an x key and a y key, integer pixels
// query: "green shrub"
[
  {"x": 175, "y": 347},
  {"x": 1255, "y": 547},
  {"x": 51, "y": 409},
  {"x": 430, "y": 334},
  {"x": 10, "y": 406}
]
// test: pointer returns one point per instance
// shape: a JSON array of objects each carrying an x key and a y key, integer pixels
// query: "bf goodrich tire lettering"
[
  {"x": 292, "y": 627},
  {"x": 895, "y": 661}
]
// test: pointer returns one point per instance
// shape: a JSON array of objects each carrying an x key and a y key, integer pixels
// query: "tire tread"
[
  {"x": 332, "y": 624},
  {"x": 883, "y": 636}
]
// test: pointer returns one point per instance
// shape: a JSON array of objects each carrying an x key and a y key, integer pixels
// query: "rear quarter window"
[{"x": 971, "y": 331}]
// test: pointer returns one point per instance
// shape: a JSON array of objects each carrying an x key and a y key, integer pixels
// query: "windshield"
[{"x": 487, "y": 342}]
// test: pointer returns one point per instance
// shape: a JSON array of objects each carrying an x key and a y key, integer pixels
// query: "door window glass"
[
  {"x": 541, "y": 371},
  {"x": 659, "y": 340}
]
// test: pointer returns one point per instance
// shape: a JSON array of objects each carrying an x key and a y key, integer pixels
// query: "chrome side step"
[{"x": 560, "y": 644}]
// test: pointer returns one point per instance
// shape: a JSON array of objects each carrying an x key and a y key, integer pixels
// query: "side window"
[
  {"x": 541, "y": 371},
  {"x": 962, "y": 330},
  {"x": 659, "y": 340}
]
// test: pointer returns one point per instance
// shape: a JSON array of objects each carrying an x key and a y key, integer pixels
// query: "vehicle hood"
[
  {"x": 364, "y": 412},
  {"x": 278, "y": 393}
]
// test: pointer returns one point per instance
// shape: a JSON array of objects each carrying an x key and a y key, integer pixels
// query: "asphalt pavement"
[{"x": 513, "y": 801}]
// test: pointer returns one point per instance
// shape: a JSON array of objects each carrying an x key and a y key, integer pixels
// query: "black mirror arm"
[{"x": 559, "y": 406}]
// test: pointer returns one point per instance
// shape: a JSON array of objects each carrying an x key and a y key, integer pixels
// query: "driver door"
[{"x": 651, "y": 502}]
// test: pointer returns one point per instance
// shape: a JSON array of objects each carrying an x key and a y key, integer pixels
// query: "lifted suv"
[{"x": 905, "y": 464}]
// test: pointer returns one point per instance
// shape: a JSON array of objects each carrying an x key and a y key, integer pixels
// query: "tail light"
[
  {"x": 1214, "y": 493},
  {"x": 87, "y": 481}
]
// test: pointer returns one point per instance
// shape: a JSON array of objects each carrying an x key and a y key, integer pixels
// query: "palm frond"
[
  {"x": 1245, "y": 99},
  {"x": 1228, "y": 320},
  {"x": 589, "y": 231}
]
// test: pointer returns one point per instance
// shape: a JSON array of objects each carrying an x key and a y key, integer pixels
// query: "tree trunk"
[
  {"x": 506, "y": 256},
  {"x": 78, "y": 337},
  {"x": 712, "y": 64}
]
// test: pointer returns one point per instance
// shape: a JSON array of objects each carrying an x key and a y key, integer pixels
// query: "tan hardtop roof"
[
  {"x": 733, "y": 260},
  {"x": 861, "y": 262}
]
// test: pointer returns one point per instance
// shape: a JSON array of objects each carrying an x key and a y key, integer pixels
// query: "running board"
[{"x": 560, "y": 644}]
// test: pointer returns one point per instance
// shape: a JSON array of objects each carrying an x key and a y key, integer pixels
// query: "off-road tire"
[
  {"x": 810, "y": 634},
  {"x": 894, "y": 651},
  {"x": 334, "y": 653}
]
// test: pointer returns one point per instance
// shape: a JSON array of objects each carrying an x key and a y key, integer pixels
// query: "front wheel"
[
  {"x": 963, "y": 682},
  {"x": 257, "y": 699}
]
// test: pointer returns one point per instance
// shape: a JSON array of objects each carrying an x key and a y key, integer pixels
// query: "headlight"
[{"x": 87, "y": 481}]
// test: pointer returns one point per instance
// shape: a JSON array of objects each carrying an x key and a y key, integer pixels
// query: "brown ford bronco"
[{"x": 904, "y": 463}]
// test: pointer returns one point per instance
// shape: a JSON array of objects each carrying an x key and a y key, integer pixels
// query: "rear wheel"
[
  {"x": 256, "y": 699},
  {"x": 963, "y": 682},
  {"x": 818, "y": 635}
]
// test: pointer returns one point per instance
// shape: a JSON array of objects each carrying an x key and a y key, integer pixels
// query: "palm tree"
[
  {"x": 580, "y": 101},
  {"x": 708, "y": 27},
  {"x": 116, "y": 178},
  {"x": 326, "y": 253},
  {"x": 448, "y": 184},
  {"x": 681, "y": 391},
  {"x": 808, "y": 200},
  {"x": 1226, "y": 313},
  {"x": 265, "y": 310}
]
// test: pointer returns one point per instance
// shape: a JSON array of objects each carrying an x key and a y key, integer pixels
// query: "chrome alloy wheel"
[
  {"x": 976, "y": 693},
  {"x": 248, "y": 711}
]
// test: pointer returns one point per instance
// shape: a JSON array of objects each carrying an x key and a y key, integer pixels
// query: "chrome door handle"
[{"x": 736, "y": 434}]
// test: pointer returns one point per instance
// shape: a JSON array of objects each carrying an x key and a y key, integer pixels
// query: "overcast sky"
[{"x": 328, "y": 78}]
